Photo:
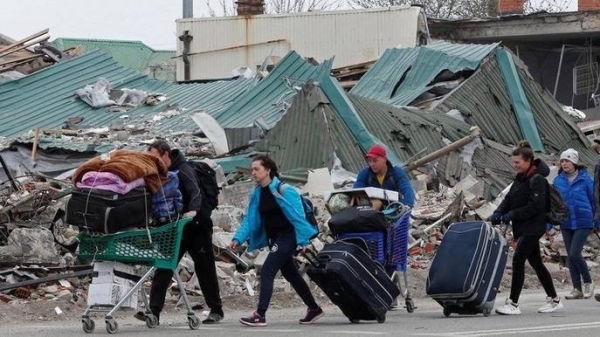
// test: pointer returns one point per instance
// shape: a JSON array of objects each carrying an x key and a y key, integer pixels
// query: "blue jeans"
[
  {"x": 574, "y": 241},
  {"x": 281, "y": 257}
]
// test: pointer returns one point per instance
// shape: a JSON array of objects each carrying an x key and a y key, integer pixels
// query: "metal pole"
[
  {"x": 562, "y": 53},
  {"x": 8, "y": 175},
  {"x": 188, "y": 9}
]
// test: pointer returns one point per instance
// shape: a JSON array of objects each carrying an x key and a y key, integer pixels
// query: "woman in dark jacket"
[{"x": 525, "y": 206}]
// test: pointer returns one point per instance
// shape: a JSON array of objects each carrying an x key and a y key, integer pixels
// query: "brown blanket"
[{"x": 128, "y": 165}]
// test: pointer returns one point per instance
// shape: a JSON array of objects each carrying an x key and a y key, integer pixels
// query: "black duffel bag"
[
  {"x": 358, "y": 219},
  {"x": 107, "y": 212}
]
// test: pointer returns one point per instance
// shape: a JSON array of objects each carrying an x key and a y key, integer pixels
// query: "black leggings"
[{"x": 528, "y": 248}]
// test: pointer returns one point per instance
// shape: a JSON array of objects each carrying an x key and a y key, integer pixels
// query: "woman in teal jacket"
[
  {"x": 577, "y": 190},
  {"x": 275, "y": 219}
]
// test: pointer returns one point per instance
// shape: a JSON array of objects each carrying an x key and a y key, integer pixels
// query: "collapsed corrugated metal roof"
[
  {"x": 400, "y": 76},
  {"x": 46, "y": 98},
  {"x": 313, "y": 130},
  {"x": 270, "y": 98},
  {"x": 409, "y": 76},
  {"x": 483, "y": 100},
  {"x": 131, "y": 54}
]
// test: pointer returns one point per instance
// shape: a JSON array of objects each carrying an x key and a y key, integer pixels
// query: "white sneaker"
[
  {"x": 551, "y": 305},
  {"x": 509, "y": 308},
  {"x": 395, "y": 305},
  {"x": 588, "y": 290},
  {"x": 575, "y": 294}
]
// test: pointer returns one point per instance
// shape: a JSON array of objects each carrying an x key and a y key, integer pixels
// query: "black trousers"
[
  {"x": 197, "y": 241},
  {"x": 528, "y": 249}
]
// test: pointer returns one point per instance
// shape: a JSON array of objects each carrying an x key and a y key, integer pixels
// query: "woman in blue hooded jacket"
[
  {"x": 275, "y": 219},
  {"x": 577, "y": 190}
]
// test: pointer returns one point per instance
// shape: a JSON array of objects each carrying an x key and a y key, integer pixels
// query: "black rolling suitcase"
[
  {"x": 107, "y": 212},
  {"x": 354, "y": 282},
  {"x": 466, "y": 272}
]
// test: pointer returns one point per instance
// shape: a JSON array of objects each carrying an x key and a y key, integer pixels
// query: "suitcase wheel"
[
  {"x": 354, "y": 320},
  {"x": 447, "y": 312},
  {"x": 486, "y": 312},
  {"x": 381, "y": 319}
]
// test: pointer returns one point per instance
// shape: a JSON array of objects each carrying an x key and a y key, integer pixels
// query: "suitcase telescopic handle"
[{"x": 315, "y": 260}]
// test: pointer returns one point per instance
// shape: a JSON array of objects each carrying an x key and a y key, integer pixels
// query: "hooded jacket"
[
  {"x": 526, "y": 201},
  {"x": 188, "y": 183},
  {"x": 579, "y": 197},
  {"x": 395, "y": 179},
  {"x": 252, "y": 228}
]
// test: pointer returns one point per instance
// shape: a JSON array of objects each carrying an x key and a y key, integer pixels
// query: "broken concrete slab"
[
  {"x": 318, "y": 182},
  {"x": 237, "y": 195},
  {"x": 30, "y": 246}
]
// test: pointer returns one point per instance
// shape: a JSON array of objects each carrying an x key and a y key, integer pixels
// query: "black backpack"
[
  {"x": 309, "y": 210},
  {"x": 557, "y": 210},
  {"x": 207, "y": 179}
]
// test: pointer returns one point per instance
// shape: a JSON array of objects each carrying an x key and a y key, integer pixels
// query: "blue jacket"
[
  {"x": 579, "y": 197},
  {"x": 396, "y": 179},
  {"x": 252, "y": 228}
]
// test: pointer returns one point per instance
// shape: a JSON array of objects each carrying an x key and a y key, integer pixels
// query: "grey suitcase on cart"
[{"x": 467, "y": 269}]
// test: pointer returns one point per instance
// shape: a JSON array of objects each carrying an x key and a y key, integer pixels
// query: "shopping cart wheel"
[
  {"x": 193, "y": 322},
  {"x": 88, "y": 325},
  {"x": 151, "y": 321},
  {"x": 410, "y": 305},
  {"x": 446, "y": 312},
  {"x": 112, "y": 326}
]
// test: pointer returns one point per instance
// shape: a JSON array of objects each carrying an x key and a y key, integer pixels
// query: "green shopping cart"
[{"x": 155, "y": 247}]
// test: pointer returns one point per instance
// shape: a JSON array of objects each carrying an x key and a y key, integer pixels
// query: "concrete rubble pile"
[{"x": 38, "y": 260}]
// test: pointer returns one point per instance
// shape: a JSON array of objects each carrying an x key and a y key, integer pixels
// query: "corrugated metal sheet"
[
  {"x": 270, "y": 98},
  {"x": 131, "y": 54},
  {"x": 310, "y": 133},
  {"x": 401, "y": 75},
  {"x": 46, "y": 98},
  {"x": 483, "y": 101},
  {"x": 352, "y": 36}
]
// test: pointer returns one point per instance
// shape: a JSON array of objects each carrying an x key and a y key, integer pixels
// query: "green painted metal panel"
[
  {"x": 519, "y": 100},
  {"x": 344, "y": 107},
  {"x": 46, "y": 98},
  {"x": 131, "y": 54},
  {"x": 402, "y": 75},
  {"x": 271, "y": 97}
]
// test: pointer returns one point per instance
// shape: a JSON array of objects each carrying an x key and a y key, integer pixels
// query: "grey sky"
[{"x": 149, "y": 21}]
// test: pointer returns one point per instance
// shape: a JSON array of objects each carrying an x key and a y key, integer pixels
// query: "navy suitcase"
[
  {"x": 467, "y": 269},
  {"x": 354, "y": 282}
]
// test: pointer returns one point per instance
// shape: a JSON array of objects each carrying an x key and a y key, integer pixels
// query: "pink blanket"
[{"x": 109, "y": 182}]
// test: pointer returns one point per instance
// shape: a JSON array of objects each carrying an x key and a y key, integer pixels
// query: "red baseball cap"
[{"x": 376, "y": 151}]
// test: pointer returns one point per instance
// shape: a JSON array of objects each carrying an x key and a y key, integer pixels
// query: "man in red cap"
[{"x": 382, "y": 174}]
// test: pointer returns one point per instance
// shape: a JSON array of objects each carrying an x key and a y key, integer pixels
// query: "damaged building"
[{"x": 450, "y": 113}]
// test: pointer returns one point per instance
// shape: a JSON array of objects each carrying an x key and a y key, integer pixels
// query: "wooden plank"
[
  {"x": 30, "y": 37},
  {"x": 57, "y": 277},
  {"x": 25, "y": 45},
  {"x": 20, "y": 59}
]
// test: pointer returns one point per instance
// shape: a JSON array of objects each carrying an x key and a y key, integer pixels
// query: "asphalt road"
[{"x": 579, "y": 318}]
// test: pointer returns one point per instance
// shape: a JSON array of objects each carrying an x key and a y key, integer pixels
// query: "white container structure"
[{"x": 220, "y": 45}]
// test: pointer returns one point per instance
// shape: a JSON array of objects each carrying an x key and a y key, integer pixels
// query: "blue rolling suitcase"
[{"x": 467, "y": 269}]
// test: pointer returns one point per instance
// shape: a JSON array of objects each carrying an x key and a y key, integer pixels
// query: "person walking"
[
  {"x": 577, "y": 190},
  {"x": 382, "y": 174},
  {"x": 525, "y": 207},
  {"x": 197, "y": 238},
  {"x": 275, "y": 219}
]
